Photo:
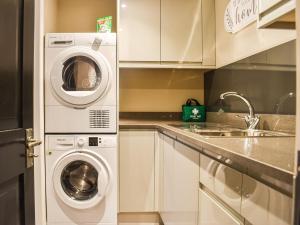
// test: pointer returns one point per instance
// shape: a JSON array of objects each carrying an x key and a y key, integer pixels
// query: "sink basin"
[
  {"x": 241, "y": 133},
  {"x": 218, "y": 130}
]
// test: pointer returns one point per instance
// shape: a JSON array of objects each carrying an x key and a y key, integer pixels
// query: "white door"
[
  {"x": 80, "y": 76},
  {"x": 139, "y": 32},
  {"x": 81, "y": 179},
  {"x": 180, "y": 183},
  {"x": 262, "y": 205},
  {"x": 213, "y": 213},
  {"x": 137, "y": 170},
  {"x": 228, "y": 186},
  {"x": 255, "y": 201},
  {"x": 167, "y": 212},
  {"x": 186, "y": 184},
  {"x": 181, "y": 31},
  {"x": 208, "y": 168}
]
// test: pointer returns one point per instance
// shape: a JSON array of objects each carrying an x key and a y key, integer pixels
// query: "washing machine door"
[
  {"x": 81, "y": 179},
  {"x": 80, "y": 76}
]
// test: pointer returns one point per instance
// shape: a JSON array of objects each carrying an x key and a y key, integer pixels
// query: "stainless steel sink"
[
  {"x": 241, "y": 133},
  {"x": 218, "y": 130}
]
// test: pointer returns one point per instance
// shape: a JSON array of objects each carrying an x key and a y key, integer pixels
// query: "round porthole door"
[
  {"x": 82, "y": 179},
  {"x": 80, "y": 76}
]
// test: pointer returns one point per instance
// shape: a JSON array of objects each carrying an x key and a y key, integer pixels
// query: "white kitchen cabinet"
[
  {"x": 137, "y": 171},
  {"x": 228, "y": 186},
  {"x": 159, "y": 159},
  {"x": 255, "y": 200},
  {"x": 222, "y": 180},
  {"x": 212, "y": 212},
  {"x": 168, "y": 179},
  {"x": 181, "y": 31},
  {"x": 180, "y": 183},
  {"x": 186, "y": 184},
  {"x": 280, "y": 208},
  {"x": 139, "y": 31},
  {"x": 167, "y": 34},
  {"x": 273, "y": 11},
  {"x": 262, "y": 205},
  {"x": 208, "y": 168}
]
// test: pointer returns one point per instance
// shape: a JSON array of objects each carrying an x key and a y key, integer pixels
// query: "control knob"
[{"x": 80, "y": 142}]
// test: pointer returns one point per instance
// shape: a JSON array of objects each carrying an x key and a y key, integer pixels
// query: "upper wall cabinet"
[
  {"x": 277, "y": 14},
  {"x": 181, "y": 31},
  {"x": 139, "y": 33},
  {"x": 167, "y": 33}
]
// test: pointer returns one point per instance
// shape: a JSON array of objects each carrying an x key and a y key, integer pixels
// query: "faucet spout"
[{"x": 251, "y": 120}]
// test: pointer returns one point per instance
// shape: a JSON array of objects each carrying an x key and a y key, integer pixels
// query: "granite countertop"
[{"x": 268, "y": 159}]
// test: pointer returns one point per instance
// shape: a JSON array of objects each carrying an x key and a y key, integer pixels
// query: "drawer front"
[
  {"x": 213, "y": 213},
  {"x": 262, "y": 205},
  {"x": 255, "y": 200},
  {"x": 280, "y": 208},
  {"x": 228, "y": 186},
  {"x": 208, "y": 169}
]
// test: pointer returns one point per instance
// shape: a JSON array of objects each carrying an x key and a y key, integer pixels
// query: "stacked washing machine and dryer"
[{"x": 81, "y": 128}]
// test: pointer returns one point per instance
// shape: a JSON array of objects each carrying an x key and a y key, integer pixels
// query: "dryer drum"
[
  {"x": 80, "y": 73},
  {"x": 79, "y": 180}
]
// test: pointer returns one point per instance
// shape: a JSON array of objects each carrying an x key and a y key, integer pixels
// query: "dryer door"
[
  {"x": 81, "y": 179},
  {"x": 80, "y": 76}
]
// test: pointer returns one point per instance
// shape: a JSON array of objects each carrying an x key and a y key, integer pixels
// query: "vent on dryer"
[{"x": 99, "y": 118}]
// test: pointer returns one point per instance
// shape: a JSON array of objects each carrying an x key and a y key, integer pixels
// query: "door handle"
[{"x": 30, "y": 144}]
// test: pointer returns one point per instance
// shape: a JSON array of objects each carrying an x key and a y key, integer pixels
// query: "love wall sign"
[{"x": 239, "y": 14}]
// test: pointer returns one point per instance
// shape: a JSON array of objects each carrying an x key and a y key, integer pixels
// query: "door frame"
[
  {"x": 296, "y": 211},
  {"x": 38, "y": 114}
]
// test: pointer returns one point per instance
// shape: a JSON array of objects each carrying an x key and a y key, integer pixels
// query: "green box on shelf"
[
  {"x": 104, "y": 24},
  {"x": 192, "y": 111}
]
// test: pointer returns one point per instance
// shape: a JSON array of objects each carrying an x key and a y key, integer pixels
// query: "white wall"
[{"x": 233, "y": 47}]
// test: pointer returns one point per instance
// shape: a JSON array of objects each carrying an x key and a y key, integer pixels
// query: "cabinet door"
[
  {"x": 186, "y": 184},
  {"x": 208, "y": 169},
  {"x": 228, "y": 186},
  {"x": 265, "y": 5},
  {"x": 137, "y": 171},
  {"x": 276, "y": 11},
  {"x": 159, "y": 176},
  {"x": 168, "y": 180},
  {"x": 213, "y": 213},
  {"x": 181, "y": 182},
  {"x": 181, "y": 31},
  {"x": 139, "y": 32},
  {"x": 280, "y": 208},
  {"x": 255, "y": 200}
]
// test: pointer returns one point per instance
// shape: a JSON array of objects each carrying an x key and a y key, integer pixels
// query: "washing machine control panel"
[{"x": 96, "y": 141}]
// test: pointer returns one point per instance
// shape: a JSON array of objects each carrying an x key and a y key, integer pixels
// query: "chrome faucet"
[{"x": 251, "y": 120}]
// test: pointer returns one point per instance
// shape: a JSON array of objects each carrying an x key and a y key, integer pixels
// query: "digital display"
[{"x": 93, "y": 141}]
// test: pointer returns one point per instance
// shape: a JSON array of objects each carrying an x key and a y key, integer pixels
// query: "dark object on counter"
[{"x": 192, "y": 111}]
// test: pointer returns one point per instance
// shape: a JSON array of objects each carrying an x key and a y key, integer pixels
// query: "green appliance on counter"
[{"x": 193, "y": 111}]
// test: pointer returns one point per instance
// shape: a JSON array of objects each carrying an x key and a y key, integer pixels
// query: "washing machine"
[
  {"x": 80, "y": 83},
  {"x": 81, "y": 179}
]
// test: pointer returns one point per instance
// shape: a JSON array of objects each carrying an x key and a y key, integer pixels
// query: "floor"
[
  {"x": 139, "y": 219},
  {"x": 138, "y": 223}
]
